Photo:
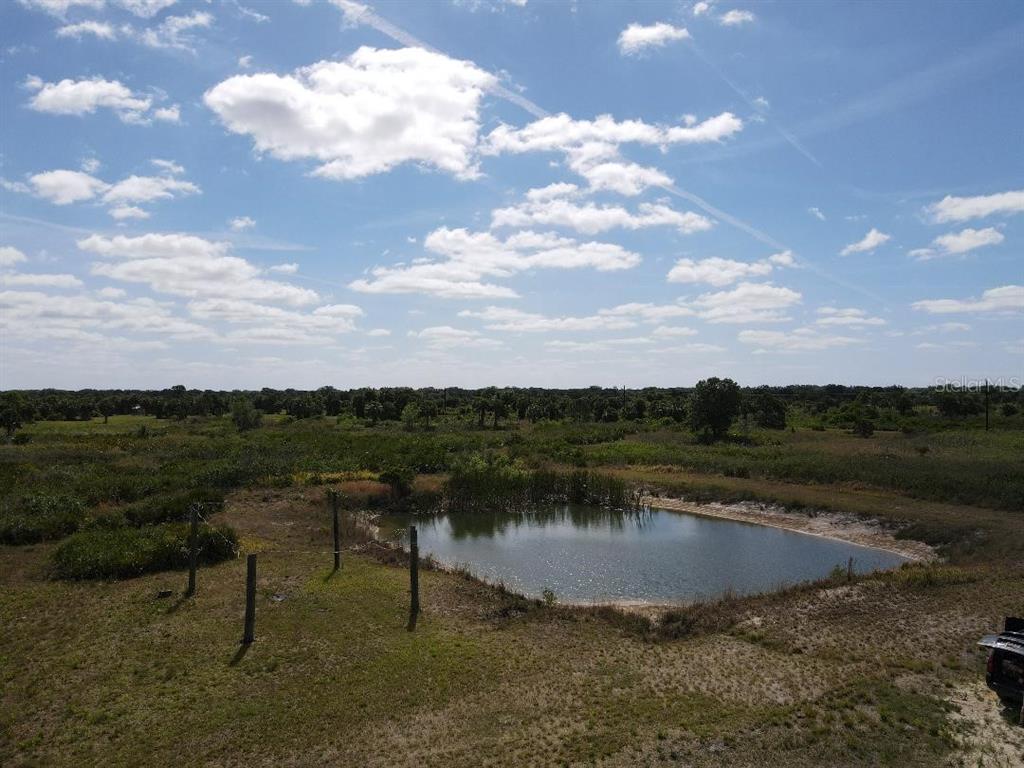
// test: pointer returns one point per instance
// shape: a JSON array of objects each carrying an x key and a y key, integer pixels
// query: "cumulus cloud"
[
  {"x": 1005, "y": 298},
  {"x": 591, "y": 147},
  {"x": 952, "y": 208},
  {"x": 39, "y": 280},
  {"x": 242, "y": 223},
  {"x": 866, "y": 244},
  {"x": 798, "y": 340},
  {"x": 285, "y": 269},
  {"x": 716, "y": 271},
  {"x": 747, "y": 303},
  {"x": 648, "y": 312},
  {"x": 852, "y": 317},
  {"x": 637, "y": 37},
  {"x": 734, "y": 18},
  {"x": 517, "y": 321},
  {"x": 175, "y": 32},
  {"x": 555, "y": 208},
  {"x": 447, "y": 337},
  {"x": 84, "y": 97},
  {"x": 816, "y": 213},
  {"x": 957, "y": 243},
  {"x": 63, "y": 187},
  {"x": 9, "y": 256},
  {"x": 59, "y": 8},
  {"x": 187, "y": 265},
  {"x": 367, "y": 114},
  {"x": 98, "y": 29},
  {"x": 701, "y": 7},
  {"x": 468, "y": 259}
]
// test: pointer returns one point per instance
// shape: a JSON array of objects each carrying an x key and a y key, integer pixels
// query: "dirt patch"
[
  {"x": 832, "y": 525},
  {"x": 985, "y": 732}
]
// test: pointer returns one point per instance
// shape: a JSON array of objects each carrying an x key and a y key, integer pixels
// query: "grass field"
[{"x": 877, "y": 672}]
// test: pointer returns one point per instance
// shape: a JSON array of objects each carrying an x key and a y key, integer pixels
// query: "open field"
[{"x": 882, "y": 671}]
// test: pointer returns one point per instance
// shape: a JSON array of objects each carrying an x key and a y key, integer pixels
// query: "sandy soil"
[
  {"x": 987, "y": 736},
  {"x": 833, "y": 525}
]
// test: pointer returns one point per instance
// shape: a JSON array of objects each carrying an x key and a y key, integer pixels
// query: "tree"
[
  {"x": 244, "y": 415},
  {"x": 410, "y": 415},
  {"x": 373, "y": 410},
  {"x": 13, "y": 411},
  {"x": 106, "y": 408},
  {"x": 713, "y": 406},
  {"x": 864, "y": 428},
  {"x": 768, "y": 410}
]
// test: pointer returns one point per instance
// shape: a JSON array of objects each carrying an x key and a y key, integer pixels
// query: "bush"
[
  {"x": 173, "y": 507},
  {"x": 399, "y": 479},
  {"x": 40, "y": 517},
  {"x": 126, "y": 552},
  {"x": 244, "y": 415}
]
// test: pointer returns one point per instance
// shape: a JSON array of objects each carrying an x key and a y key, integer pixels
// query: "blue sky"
[{"x": 242, "y": 194}]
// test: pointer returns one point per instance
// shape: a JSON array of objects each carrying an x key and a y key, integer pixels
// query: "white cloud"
[
  {"x": 798, "y": 340},
  {"x": 517, "y": 321},
  {"x": 563, "y": 134},
  {"x": 1005, "y": 298},
  {"x": 62, "y": 187},
  {"x": 9, "y": 256},
  {"x": 866, "y": 244},
  {"x": 59, "y": 8},
  {"x": 242, "y": 223},
  {"x": 111, "y": 293},
  {"x": 125, "y": 212},
  {"x": 956, "y": 243},
  {"x": 175, "y": 32},
  {"x": 245, "y": 61},
  {"x": 41, "y": 281},
  {"x": 716, "y": 271},
  {"x": 816, "y": 213},
  {"x": 547, "y": 209},
  {"x": 285, "y": 269},
  {"x": 145, "y": 8},
  {"x": 647, "y": 312},
  {"x": 627, "y": 179},
  {"x": 275, "y": 323},
  {"x": 367, "y": 114},
  {"x": 146, "y": 189},
  {"x": 81, "y": 97},
  {"x": 701, "y": 7},
  {"x": 747, "y": 303},
  {"x": 90, "y": 165},
  {"x": 734, "y": 18},
  {"x": 171, "y": 114},
  {"x": 99, "y": 29},
  {"x": 637, "y": 37},
  {"x": 671, "y": 331},
  {"x": 468, "y": 258},
  {"x": 377, "y": 332},
  {"x": 965, "y": 208},
  {"x": 854, "y": 318},
  {"x": 186, "y": 265},
  {"x": 447, "y": 337}
]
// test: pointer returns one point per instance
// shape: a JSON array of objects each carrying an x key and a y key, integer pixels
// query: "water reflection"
[{"x": 590, "y": 554}]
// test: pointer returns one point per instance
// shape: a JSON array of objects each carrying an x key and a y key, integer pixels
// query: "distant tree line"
[{"x": 710, "y": 408}]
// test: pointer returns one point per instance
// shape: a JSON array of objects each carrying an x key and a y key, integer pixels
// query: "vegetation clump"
[
  {"x": 40, "y": 517},
  {"x": 126, "y": 552}
]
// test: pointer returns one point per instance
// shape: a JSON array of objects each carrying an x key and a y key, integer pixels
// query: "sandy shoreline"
[{"x": 832, "y": 525}]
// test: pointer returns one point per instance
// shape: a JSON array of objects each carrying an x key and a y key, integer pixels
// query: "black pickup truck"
[{"x": 1005, "y": 670}]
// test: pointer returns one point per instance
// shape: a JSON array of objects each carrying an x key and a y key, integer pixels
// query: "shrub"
[
  {"x": 172, "y": 507},
  {"x": 399, "y": 479},
  {"x": 864, "y": 428},
  {"x": 126, "y": 552},
  {"x": 40, "y": 517},
  {"x": 244, "y": 415}
]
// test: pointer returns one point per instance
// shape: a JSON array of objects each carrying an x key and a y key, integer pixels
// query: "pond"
[{"x": 589, "y": 554}]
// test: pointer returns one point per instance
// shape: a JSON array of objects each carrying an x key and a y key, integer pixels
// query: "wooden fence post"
[
  {"x": 193, "y": 549},
  {"x": 337, "y": 533},
  {"x": 250, "y": 600},
  {"x": 414, "y": 578},
  {"x": 849, "y": 569}
]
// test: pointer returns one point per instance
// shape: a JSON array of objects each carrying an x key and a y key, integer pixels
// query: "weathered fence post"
[
  {"x": 193, "y": 549},
  {"x": 849, "y": 569},
  {"x": 250, "y": 600},
  {"x": 414, "y": 578},
  {"x": 333, "y": 496}
]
